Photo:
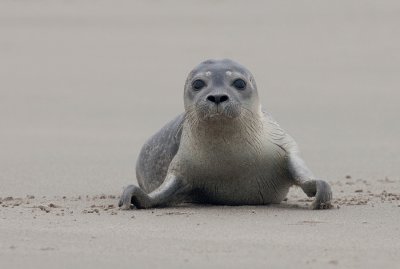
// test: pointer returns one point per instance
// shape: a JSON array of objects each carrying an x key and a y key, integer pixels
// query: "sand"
[{"x": 84, "y": 83}]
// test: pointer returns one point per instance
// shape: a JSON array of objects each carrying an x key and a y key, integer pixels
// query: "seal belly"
[
  {"x": 256, "y": 190},
  {"x": 242, "y": 179}
]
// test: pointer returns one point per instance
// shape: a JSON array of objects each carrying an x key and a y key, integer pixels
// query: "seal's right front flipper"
[
  {"x": 171, "y": 191},
  {"x": 134, "y": 196}
]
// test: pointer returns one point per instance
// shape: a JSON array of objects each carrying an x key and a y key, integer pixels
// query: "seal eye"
[
  {"x": 239, "y": 84},
  {"x": 198, "y": 84}
]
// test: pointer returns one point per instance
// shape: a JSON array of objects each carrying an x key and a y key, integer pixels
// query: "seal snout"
[{"x": 218, "y": 98}]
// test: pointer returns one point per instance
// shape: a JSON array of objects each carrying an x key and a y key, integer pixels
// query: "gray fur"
[{"x": 230, "y": 153}]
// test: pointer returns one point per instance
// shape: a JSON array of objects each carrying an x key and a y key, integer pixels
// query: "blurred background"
[{"x": 83, "y": 84}]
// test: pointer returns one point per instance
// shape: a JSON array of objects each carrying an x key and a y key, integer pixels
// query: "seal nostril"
[
  {"x": 223, "y": 98},
  {"x": 211, "y": 98}
]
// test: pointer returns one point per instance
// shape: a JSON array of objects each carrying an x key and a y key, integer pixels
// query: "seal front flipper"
[
  {"x": 299, "y": 172},
  {"x": 312, "y": 187},
  {"x": 171, "y": 191},
  {"x": 322, "y": 192}
]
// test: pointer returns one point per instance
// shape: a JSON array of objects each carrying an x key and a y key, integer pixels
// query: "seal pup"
[{"x": 224, "y": 149}]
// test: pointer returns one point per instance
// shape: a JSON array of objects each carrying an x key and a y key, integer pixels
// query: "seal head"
[{"x": 218, "y": 90}]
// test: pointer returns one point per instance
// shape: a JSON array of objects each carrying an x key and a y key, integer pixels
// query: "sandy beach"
[{"x": 84, "y": 83}]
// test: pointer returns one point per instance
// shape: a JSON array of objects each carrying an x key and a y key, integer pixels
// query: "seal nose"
[{"x": 218, "y": 98}]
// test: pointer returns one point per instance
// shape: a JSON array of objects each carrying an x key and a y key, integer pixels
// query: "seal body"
[
  {"x": 224, "y": 165},
  {"x": 224, "y": 149}
]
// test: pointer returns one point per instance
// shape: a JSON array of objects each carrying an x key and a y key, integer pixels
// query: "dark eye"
[
  {"x": 239, "y": 84},
  {"x": 198, "y": 84}
]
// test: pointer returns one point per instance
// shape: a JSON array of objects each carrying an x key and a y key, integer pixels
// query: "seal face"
[
  {"x": 224, "y": 149},
  {"x": 219, "y": 89}
]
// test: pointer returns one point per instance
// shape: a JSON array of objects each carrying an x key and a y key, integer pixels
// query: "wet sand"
[{"x": 84, "y": 83}]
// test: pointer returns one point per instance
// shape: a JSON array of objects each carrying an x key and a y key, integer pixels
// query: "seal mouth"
[
  {"x": 218, "y": 115},
  {"x": 216, "y": 111},
  {"x": 215, "y": 115}
]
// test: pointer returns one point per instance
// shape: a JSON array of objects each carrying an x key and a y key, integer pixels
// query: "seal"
[{"x": 224, "y": 149}]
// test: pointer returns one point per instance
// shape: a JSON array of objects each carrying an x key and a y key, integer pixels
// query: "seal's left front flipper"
[
  {"x": 322, "y": 192},
  {"x": 312, "y": 187}
]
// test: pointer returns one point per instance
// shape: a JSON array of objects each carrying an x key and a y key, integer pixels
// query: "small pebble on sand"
[{"x": 44, "y": 208}]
